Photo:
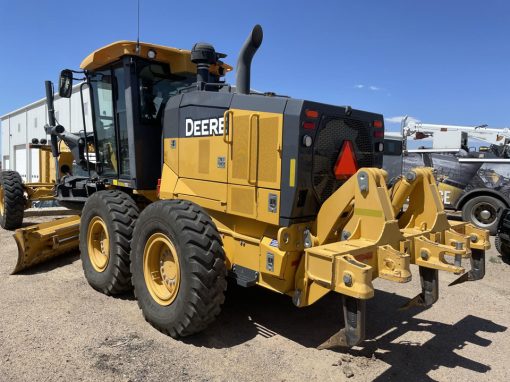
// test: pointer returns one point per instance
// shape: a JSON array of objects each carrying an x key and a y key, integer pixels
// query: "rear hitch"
[
  {"x": 354, "y": 331},
  {"x": 429, "y": 279}
]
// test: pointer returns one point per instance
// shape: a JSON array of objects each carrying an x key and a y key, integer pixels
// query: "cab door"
[{"x": 104, "y": 123}]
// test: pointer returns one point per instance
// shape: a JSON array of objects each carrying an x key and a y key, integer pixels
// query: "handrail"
[{"x": 250, "y": 133}]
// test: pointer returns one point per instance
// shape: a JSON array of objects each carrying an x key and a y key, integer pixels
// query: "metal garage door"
[
  {"x": 34, "y": 165},
  {"x": 20, "y": 161}
]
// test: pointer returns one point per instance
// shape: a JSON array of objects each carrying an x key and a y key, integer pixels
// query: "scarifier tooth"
[
  {"x": 415, "y": 301},
  {"x": 429, "y": 289},
  {"x": 477, "y": 271},
  {"x": 337, "y": 340},
  {"x": 354, "y": 331},
  {"x": 460, "y": 280}
]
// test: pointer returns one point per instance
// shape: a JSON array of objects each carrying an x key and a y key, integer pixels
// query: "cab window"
[{"x": 156, "y": 85}]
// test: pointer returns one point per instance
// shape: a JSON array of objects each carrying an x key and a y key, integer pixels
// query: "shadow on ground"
[
  {"x": 254, "y": 311},
  {"x": 249, "y": 312}
]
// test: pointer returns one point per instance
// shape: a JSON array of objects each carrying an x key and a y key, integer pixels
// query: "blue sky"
[{"x": 436, "y": 60}]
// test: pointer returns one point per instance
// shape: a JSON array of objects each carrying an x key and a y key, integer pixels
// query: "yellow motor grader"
[
  {"x": 16, "y": 196},
  {"x": 194, "y": 180}
]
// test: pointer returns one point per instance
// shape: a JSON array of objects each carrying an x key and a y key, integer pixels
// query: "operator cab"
[{"x": 129, "y": 85}]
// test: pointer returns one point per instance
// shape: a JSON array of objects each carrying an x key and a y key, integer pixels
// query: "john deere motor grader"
[{"x": 194, "y": 181}]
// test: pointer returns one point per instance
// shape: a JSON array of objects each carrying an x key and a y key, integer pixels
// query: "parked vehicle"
[
  {"x": 503, "y": 235},
  {"x": 472, "y": 178}
]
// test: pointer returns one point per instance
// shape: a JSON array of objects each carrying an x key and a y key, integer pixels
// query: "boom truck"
[
  {"x": 473, "y": 180},
  {"x": 187, "y": 180}
]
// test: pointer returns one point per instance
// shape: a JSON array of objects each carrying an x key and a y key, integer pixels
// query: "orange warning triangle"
[{"x": 346, "y": 164}]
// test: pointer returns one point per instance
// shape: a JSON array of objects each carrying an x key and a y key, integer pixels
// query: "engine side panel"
[{"x": 244, "y": 154}]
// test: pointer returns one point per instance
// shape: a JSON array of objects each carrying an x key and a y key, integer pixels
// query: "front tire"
[
  {"x": 482, "y": 211},
  {"x": 178, "y": 267},
  {"x": 12, "y": 200},
  {"x": 106, "y": 228}
]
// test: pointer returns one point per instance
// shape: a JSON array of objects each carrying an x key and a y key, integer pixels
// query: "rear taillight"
[
  {"x": 308, "y": 125},
  {"x": 311, "y": 113},
  {"x": 378, "y": 134},
  {"x": 346, "y": 164},
  {"x": 377, "y": 124}
]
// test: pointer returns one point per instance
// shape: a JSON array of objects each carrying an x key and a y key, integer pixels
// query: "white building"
[{"x": 20, "y": 126}]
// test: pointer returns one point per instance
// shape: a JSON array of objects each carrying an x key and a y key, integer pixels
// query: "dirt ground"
[{"x": 54, "y": 327}]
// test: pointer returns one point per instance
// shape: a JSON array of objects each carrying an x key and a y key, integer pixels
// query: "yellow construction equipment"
[
  {"x": 272, "y": 191},
  {"x": 40, "y": 242},
  {"x": 16, "y": 196}
]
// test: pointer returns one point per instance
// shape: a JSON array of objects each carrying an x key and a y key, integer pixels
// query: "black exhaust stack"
[{"x": 246, "y": 54}]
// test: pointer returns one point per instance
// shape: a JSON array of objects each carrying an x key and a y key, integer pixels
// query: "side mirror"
[{"x": 65, "y": 83}]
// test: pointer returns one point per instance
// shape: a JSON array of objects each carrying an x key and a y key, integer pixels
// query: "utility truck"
[{"x": 472, "y": 166}]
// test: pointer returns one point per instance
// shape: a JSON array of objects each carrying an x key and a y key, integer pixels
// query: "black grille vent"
[{"x": 328, "y": 142}]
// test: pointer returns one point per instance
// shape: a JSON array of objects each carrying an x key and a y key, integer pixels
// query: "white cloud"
[
  {"x": 398, "y": 119},
  {"x": 369, "y": 87}
]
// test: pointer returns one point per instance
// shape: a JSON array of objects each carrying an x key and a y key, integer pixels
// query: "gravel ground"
[{"x": 54, "y": 327}]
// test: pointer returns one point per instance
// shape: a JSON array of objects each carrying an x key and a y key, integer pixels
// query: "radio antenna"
[{"x": 138, "y": 30}]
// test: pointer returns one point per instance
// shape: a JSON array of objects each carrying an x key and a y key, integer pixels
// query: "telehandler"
[{"x": 193, "y": 180}]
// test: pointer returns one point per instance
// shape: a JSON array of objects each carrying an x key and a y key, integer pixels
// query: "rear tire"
[
  {"x": 106, "y": 228},
  {"x": 12, "y": 200},
  {"x": 183, "y": 298},
  {"x": 502, "y": 248},
  {"x": 482, "y": 211}
]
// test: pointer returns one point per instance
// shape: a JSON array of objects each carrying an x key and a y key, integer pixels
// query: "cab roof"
[{"x": 178, "y": 59}]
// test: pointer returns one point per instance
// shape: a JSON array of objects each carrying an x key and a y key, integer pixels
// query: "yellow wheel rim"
[
  {"x": 98, "y": 243},
  {"x": 161, "y": 269},
  {"x": 2, "y": 201}
]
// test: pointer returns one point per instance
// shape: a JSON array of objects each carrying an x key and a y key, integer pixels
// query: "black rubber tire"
[
  {"x": 202, "y": 267},
  {"x": 119, "y": 213},
  {"x": 502, "y": 248},
  {"x": 468, "y": 211},
  {"x": 14, "y": 200}
]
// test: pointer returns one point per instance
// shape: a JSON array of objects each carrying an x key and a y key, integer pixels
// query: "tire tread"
[
  {"x": 14, "y": 207},
  {"x": 124, "y": 213},
  {"x": 199, "y": 235}
]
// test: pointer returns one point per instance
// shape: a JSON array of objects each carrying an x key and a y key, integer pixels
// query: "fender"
[{"x": 478, "y": 192}]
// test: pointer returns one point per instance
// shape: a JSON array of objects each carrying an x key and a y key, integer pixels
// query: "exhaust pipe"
[{"x": 246, "y": 54}]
